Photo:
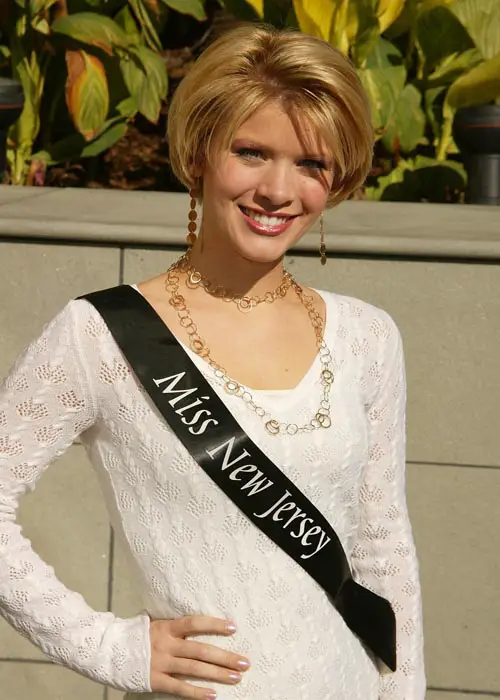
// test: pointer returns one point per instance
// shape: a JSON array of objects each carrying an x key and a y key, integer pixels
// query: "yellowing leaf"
[
  {"x": 479, "y": 86},
  {"x": 481, "y": 18},
  {"x": 87, "y": 94},
  {"x": 344, "y": 25},
  {"x": 388, "y": 11},
  {"x": 315, "y": 16},
  {"x": 258, "y": 6}
]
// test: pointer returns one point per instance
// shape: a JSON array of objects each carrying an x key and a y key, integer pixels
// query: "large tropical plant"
[
  {"x": 87, "y": 68},
  {"x": 419, "y": 61},
  {"x": 460, "y": 49}
]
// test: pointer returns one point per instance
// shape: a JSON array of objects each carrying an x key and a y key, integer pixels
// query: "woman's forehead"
[{"x": 276, "y": 126}]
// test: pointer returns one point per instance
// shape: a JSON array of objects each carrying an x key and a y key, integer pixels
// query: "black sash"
[{"x": 258, "y": 487}]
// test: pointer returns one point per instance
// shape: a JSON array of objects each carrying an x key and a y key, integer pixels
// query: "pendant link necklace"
[{"x": 194, "y": 279}]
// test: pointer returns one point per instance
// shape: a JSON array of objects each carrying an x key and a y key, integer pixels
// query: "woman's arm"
[
  {"x": 45, "y": 403},
  {"x": 384, "y": 557}
]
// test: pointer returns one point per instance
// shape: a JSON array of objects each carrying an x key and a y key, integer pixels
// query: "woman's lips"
[{"x": 266, "y": 229}]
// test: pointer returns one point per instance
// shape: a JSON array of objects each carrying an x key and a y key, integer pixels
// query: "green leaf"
[
  {"x": 38, "y": 6},
  {"x": 364, "y": 28},
  {"x": 93, "y": 29},
  {"x": 127, "y": 107},
  {"x": 383, "y": 78},
  {"x": 194, "y": 8},
  {"x": 481, "y": 18},
  {"x": 105, "y": 140},
  {"x": 384, "y": 182},
  {"x": 75, "y": 147},
  {"x": 146, "y": 23},
  {"x": 405, "y": 130},
  {"x": 277, "y": 13},
  {"x": 433, "y": 101},
  {"x": 440, "y": 35},
  {"x": 480, "y": 85},
  {"x": 146, "y": 78},
  {"x": 420, "y": 179},
  {"x": 41, "y": 25},
  {"x": 126, "y": 20},
  {"x": 452, "y": 68}
]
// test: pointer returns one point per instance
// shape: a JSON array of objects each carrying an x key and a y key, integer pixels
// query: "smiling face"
[{"x": 263, "y": 193}]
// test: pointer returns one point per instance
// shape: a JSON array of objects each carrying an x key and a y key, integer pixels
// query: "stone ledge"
[{"x": 157, "y": 218}]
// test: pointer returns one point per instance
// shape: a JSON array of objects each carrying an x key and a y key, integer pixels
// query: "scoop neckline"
[{"x": 302, "y": 384}]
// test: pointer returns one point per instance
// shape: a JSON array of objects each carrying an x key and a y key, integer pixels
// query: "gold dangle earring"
[
  {"x": 193, "y": 215},
  {"x": 322, "y": 246}
]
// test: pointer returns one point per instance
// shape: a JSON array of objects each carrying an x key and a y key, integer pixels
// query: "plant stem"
[{"x": 445, "y": 139}]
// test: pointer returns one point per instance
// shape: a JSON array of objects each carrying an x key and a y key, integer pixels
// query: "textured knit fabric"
[{"x": 194, "y": 551}]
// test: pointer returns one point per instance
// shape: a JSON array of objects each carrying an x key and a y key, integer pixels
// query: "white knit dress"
[{"x": 194, "y": 551}]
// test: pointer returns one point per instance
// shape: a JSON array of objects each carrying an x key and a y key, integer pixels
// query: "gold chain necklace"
[
  {"x": 321, "y": 418},
  {"x": 245, "y": 303}
]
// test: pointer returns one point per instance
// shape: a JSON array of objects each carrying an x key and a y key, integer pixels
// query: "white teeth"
[{"x": 263, "y": 219}]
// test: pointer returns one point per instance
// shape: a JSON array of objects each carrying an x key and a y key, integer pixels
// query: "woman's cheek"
[
  {"x": 237, "y": 179},
  {"x": 315, "y": 194}
]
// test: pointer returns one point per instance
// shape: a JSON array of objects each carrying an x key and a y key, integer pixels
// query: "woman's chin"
[
  {"x": 264, "y": 257},
  {"x": 263, "y": 249}
]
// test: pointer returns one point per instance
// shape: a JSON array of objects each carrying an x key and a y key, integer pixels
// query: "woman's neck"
[{"x": 236, "y": 274}]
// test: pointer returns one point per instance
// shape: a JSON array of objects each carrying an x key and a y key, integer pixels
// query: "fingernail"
[
  {"x": 243, "y": 665},
  {"x": 235, "y": 677},
  {"x": 231, "y": 627},
  {"x": 211, "y": 695}
]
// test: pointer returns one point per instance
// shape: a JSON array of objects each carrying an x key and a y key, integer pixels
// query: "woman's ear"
[{"x": 197, "y": 167}]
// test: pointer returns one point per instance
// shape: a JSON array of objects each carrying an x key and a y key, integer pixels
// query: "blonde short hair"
[{"x": 252, "y": 65}]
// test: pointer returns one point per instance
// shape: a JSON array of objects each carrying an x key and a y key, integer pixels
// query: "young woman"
[{"x": 267, "y": 130}]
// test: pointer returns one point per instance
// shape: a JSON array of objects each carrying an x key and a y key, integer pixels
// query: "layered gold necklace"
[
  {"x": 244, "y": 303},
  {"x": 194, "y": 279}
]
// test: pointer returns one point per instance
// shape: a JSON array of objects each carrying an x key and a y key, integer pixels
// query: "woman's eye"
[
  {"x": 313, "y": 164},
  {"x": 249, "y": 153}
]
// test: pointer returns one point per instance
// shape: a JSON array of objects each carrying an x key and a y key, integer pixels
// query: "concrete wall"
[{"x": 435, "y": 268}]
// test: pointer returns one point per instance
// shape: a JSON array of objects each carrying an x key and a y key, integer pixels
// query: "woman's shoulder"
[
  {"x": 357, "y": 314},
  {"x": 78, "y": 323}
]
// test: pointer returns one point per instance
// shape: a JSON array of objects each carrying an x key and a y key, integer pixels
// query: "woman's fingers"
[
  {"x": 173, "y": 655},
  {"x": 210, "y": 654},
  {"x": 192, "y": 625},
  {"x": 199, "y": 669}
]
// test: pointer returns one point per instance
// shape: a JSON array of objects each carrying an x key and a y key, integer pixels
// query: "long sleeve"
[
  {"x": 384, "y": 557},
  {"x": 45, "y": 403}
]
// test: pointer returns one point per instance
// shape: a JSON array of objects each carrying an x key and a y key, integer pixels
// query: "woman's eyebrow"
[{"x": 251, "y": 143}]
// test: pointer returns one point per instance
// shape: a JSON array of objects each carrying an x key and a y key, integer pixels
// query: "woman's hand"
[{"x": 172, "y": 654}]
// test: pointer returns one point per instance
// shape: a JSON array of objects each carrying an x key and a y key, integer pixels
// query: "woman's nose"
[{"x": 277, "y": 185}]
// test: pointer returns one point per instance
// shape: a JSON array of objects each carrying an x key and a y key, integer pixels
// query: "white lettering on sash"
[
  {"x": 280, "y": 507},
  {"x": 256, "y": 483},
  {"x": 194, "y": 429},
  {"x": 251, "y": 479},
  {"x": 229, "y": 444}
]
